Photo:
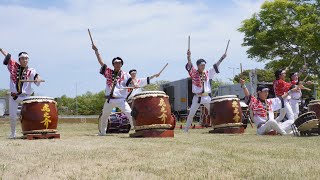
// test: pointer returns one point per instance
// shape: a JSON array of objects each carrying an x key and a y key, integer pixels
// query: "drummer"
[
  {"x": 296, "y": 96},
  {"x": 115, "y": 92},
  {"x": 139, "y": 83},
  {"x": 19, "y": 90},
  {"x": 263, "y": 110},
  {"x": 201, "y": 86},
  {"x": 281, "y": 87}
]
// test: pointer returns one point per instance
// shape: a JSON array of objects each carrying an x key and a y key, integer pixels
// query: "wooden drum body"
[
  {"x": 226, "y": 114},
  {"x": 151, "y": 111},
  {"x": 39, "y": 114},
  {"x": 315, "y": 107},
  {"x": 306, "y": 121}
]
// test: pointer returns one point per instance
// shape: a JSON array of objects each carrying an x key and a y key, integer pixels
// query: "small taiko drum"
[
  {"x": 151, "y": 110},
  {"x": 118, "y": 122},
  {"x": 39, "y": 114},
  {"x": 315, "y": 107},
  {"x": 306, "y": 121},
  {"x": 226, "y": 114}
]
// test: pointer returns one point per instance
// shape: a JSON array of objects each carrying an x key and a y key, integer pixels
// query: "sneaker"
[
  {"x": 12, "y": 136},
  {"x": 101, "y": 134}
]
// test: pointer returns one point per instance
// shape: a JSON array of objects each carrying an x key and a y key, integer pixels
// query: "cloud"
[{"x": 147, "y": 34}]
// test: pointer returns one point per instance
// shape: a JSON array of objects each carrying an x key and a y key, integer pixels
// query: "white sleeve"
[
  {"x": 213, "y": 70},
  {"x": 143, "y": 82},
  {"x": 34, "y": 75},
  {"x": 277, "y": 103}
]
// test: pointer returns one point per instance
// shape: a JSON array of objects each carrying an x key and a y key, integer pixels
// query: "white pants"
[
  {"x": 13, "y": 110},
  {"x": 107, "y": 109},
  {"x": 205, "y": 100},
  {"x": 289, "y": 112},
  {"x": 295, "y": 107},
  {"x": 281, "y": 128}
]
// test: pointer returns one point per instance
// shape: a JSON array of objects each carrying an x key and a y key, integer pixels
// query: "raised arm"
[
  {"x": 189, "y": 58},
  {"x": 5, "y": 53},
  {"x": 154, "y": 76},
  {"x": 244, "y": 87},
  {"x": 221, "y": 59},
  {"x": 94, "y": 47}
]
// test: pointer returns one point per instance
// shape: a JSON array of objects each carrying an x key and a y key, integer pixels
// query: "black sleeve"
[
  {"x": 282, "y": 102},
  {"x": 148, "y": 80},
  {"x": 128, "y": 82},
  {"x": 7, "y": 59},
  {"x": 247, "y": 99},
  {"x": 216, "y": 68},
  {"x": 103, "y": 69},
  {"x": 188, "y": 69},
  {"x": 35, "y": 77}
]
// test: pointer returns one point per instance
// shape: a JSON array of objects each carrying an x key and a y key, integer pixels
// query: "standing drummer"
[
  {"x": 296, "y": 96},
  {"x": 19, "y": 90},
  {"x": 263, "y": 110},
  {"x": 201, "y": 86},
  {"x": 139, "y": 83},
  {"x": 115, "y": 92}
]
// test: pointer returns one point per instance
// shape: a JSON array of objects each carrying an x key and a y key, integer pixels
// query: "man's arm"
[
  {"x": 154, "y": 76},
  {"x": 97, "y": 54},
  {"x": 5, "y": 53},
  {"x": 221, "y": 59},
  {"x": 189, "y": 58},
  {"x": 245, "y": 89}
]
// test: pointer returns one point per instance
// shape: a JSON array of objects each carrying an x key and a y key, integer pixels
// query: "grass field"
[{"x": 79, "y": 154}]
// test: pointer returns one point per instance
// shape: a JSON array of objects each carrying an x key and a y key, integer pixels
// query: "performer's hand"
[
  {"x": 38, "y": 80},
  {"x": 94, "y": 47},
  {"x": 188, "y": 53},
  {"x": 242, "y": 82},
  {"x": 157, "y": 75}
]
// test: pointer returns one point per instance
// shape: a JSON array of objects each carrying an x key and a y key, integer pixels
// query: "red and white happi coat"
[
  {"x": 122, "y": 80},
  {"x": 201, "y": 85},
  {"x": 27, "y": 73},
  {"x": 280, "y": 87}
]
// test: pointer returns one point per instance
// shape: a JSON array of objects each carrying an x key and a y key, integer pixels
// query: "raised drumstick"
[
  {"x": 227, "y": 47},
  {"x": 90, "y": 35},
  {"x": 189, "y": 43},
  {"x": 163, "y": 68}
]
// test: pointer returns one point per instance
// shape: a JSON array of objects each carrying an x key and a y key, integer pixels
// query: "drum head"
[
  {"x": 314, "y": 101},
  {"x": 145, "y": 94},
  {"x": 33, "y": 99},
  {"x": 224, "y": 98},
  {"x": 306, "y": 126}
]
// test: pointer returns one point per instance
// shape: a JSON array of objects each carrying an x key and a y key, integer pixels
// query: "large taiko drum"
[
  {"x": 226, "y": 114},
  {"x": 315, "y": 107},
  {"x": 38, "y": 114},
  {"x": 151, "y": 110},
  {"x": 306, "y": 122}
]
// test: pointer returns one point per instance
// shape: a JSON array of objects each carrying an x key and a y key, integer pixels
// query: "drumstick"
[
  {"x": 241, "y": 71},
  {"x": 32, "y": 81},
  {"x": 163, "y": 68},
  {"x": 189, "y": 43},
  {"x": 90, "y": 35},
  {"x": 287, "y": 68},
  {"x": 227, "y": 47},
  {"x": 131, "y": 87}
]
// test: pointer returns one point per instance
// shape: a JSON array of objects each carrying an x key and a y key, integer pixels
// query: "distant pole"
[
  {"x": 76, "y": 98},
  {"x": 233, "y": 70}
]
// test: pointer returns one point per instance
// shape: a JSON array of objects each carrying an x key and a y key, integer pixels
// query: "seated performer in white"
[
  {"x": 263, "y": 109},
  {"x": 115, "y": 92},
  {"x": 201, "y": 87},
  {"x": 19, "y": 90},
  {"x": 138, "y": 83}
]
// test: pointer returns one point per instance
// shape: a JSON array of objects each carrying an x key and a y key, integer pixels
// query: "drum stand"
[
  {"x": 41, "y": 134},
  {"x": 153, "y": 133}
]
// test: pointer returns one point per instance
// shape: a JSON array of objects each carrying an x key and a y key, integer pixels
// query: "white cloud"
[{"x": 145, "y": 34}]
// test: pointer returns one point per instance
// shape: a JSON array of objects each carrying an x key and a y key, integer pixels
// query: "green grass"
[{"x": 79, "y": 154}]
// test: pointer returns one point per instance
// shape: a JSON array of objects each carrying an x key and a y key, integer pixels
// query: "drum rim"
[
  {"x": 149, "y": 92},
  {"x": 39, "y": 97},
  {"x": 313, "y": 101},
  {"x": 228, "y": 125},
  {"x": 224, "y": 99},
  {"x": 226, "y": 96},
  {"x": 154, "y": 126},
  {"x": 310, "y": 112},
  {"x": 308, "y": 122}
]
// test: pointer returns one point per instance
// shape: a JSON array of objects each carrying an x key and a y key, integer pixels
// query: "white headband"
[
  {"x": 265, "y": 89},
  {"x": 23, "y": 55},
  {"x": 117, "y": 61},
  {"x": 202, "y": 63}
]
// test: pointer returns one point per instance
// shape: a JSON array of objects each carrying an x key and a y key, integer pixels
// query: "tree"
[
  {"x": 263, "y": 76},
  {"x": 154, "y": 86},
  {"x": 4, "y": 92},
  {"x": 282, "y": 31}
]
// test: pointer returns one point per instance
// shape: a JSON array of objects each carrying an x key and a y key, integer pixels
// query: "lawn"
[{"x": 79, "y": 154}]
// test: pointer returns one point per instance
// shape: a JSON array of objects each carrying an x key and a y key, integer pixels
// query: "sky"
[{"x": 147, "y": 34}]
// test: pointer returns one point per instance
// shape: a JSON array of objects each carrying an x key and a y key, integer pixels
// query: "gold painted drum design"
[
  {"x": 151, "y": 110},
  {"x": 39, "y": 113},
  {"x": 225, "y": 111}
]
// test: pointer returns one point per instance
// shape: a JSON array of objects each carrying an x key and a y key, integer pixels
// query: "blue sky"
[{"x": 146, "y": 34}]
